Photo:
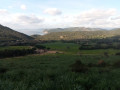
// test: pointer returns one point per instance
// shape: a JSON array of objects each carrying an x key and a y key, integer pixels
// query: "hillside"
[
  {"x": 77, "y": 33},
  {"x": 7, "y": 34},
  {"x": 71, "y": 29}
]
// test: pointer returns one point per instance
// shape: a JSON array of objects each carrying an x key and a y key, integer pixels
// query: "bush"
[
  {"x": 104, "y": 70},
  {"x": 48, "y": 48},
  {"x": 78, "y": 66},
  {"x": 117, "y": 64},
  {"x": 101, "y": 63},
  {"x": 91, "y": 65},
  {"x": 117, "y": 53},
  {"x": 40, "y": 46},
  {"x": 106, "y": 54},
  {"x": 3, "y": 70},
  {"x": 16, "y": 52}
]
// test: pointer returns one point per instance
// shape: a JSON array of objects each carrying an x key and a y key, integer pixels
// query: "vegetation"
[
  {"x": 84, "y": 64},
  {"x": 53, "y": 72},
  {"x": 15, "y": 51},
  {"x": 14, "y": 47},
  {"x": 71, "y": 29},
  {"x": 77, "y": 34},
  {"x": 9, "y": 36},
  {"x": 73, "y": 48}
]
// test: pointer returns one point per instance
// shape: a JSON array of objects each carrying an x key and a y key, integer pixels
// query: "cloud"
[
  {"x": 22, "y": 21},
  {"x": 115, "y": 18},
  {"x": 23, "y": 7},
  {"x": 95, "y": 18},
  {"x": 4, "y": 15},
  {"x": 98, "y": 18},
  {"x": 3, "y": 11},
  {"x": 30, "y": 19},
  {"x": 53, "y": 11}
]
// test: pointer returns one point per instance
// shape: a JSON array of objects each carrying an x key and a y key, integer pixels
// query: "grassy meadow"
[
  {"x": 58, "y": 71},
  {"x": 72, "y": 48}
]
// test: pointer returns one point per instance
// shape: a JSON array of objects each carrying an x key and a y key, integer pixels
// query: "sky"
[{"x": 32, "y": 16}]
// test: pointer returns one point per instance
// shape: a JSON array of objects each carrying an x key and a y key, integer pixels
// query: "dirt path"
[
  {"x": 43, "y": 53},
  {"x": 51, "y": 52}
]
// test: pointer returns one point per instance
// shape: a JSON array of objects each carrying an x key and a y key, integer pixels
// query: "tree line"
[{"x": 17, "y": 52}]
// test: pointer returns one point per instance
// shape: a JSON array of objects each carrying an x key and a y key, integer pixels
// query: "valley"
[{"x": 83, "y": 60}]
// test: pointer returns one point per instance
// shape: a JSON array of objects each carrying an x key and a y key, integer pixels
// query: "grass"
[
  {"x": 54, "y": 71},
  {"x": 66, "y": 47},
  {"x": 99, "y": 51},
  {"x": 74, "y": 48}
]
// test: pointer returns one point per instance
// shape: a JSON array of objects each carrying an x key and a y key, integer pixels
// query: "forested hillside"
[
  {"x": 71, "y": 29},
  {"x": 78, "y": 34},
  {"x": 7, "y": 34}
]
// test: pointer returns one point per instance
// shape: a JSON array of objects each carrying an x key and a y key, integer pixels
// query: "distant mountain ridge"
[
  {"x": 71, "y": 29},
  {"x": 77, "y": 33},
  {"x": 7, "y": 34}
]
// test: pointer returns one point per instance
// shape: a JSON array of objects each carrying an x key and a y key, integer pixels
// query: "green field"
[
  {"x": 66, "y": 47},
  {"x": 54, "y": 71},
  {"x": 74, "y": 48}
]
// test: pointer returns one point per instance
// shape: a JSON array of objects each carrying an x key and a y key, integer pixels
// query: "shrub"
[
  {"x": 3, "y": 70},
  {"x": 117, "y": 53},
  {"x": 106, "y": 54},
  {"x": 40, "y": 46},
  {"x": 101, "y": 63},
  {"x": 104, "y": 70},
  {"x": 117, "y": 64},
  {"x": 16, "y": 52},
  {"x": 78, "y": 66},
  {"x": 91, "y": 65},
  {"x": 48, "y": 48}
]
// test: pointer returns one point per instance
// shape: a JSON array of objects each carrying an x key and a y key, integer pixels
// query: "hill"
[
  {"x": 7, "y": 34},
  {"x": 77, "y": 33},
  {"x": 71, "y": 29}
]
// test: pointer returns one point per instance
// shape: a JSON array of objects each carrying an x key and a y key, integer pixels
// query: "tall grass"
[{"x": 53, "y": 72}]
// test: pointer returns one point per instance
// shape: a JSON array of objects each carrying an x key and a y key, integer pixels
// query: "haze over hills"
[
  {"x": 32, "y": 31},
  {"x": 7, "y": 34},
  {"x": 76, "y": 33}
]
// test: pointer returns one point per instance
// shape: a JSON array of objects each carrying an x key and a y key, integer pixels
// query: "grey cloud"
[
  {"x": 30, "y": 19},
  {"x": 95, "y": 17}
]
